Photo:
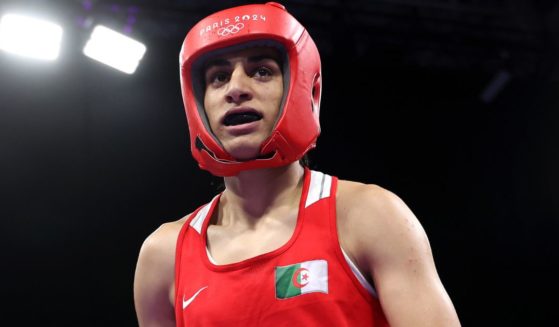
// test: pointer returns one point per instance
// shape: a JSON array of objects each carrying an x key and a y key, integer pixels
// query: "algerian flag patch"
[{"x": 301, "y": 278}]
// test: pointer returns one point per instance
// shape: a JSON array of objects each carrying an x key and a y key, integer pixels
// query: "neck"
[{"x": 253, "y": 194}]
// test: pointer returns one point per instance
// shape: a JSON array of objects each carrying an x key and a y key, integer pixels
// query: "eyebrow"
[
  {"x": 216, "y": 62},
  {"x": 252, "y": 59},
  {"x": 261, "y": 58}
]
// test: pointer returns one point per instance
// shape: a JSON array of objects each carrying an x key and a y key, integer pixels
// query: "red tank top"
[{"x": 305, "y": 282}]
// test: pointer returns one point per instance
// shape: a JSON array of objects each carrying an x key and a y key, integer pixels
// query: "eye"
[
  {"x": 217, "y": 78},
  {"x": 263, "y": 72}
]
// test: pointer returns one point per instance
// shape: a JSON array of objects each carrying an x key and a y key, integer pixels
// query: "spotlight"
[
  {"x": 30, "y": 37},
  {"x": 114, "y": 49}
]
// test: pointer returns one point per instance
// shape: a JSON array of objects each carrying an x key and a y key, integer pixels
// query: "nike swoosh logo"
[{"x": 187, "y": 302}]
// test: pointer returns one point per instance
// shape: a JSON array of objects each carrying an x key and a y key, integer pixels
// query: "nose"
[{"x": 239, "y": 87}]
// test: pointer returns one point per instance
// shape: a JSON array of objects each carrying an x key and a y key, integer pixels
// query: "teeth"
[{"x": 241, "y": 118}]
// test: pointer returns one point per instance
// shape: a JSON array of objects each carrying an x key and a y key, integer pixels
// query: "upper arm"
[
  {"x": 154, "y": 278},
  {"x": 389, "y": 243}
]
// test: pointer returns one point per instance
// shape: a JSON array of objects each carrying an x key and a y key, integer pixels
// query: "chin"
[
  {"x": 245, "y": 153},
  {"x": 245, "y": 147}
]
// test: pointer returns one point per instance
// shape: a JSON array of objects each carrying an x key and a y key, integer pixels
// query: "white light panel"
[
  {"x": 30, "y": 37},
  {"x": 114, "y": 49}
]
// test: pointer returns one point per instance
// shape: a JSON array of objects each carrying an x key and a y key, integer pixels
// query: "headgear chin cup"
[{"x": 297, "y": 127}]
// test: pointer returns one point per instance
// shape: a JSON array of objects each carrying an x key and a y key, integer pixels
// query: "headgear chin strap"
[{"x": 297, "y": 127}]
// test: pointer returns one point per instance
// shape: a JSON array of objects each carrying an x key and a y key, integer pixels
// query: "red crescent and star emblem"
[{"x": 303, "y": 272}]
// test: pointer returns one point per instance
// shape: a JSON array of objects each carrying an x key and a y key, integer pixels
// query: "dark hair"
[{"x": 305, "y": 161}]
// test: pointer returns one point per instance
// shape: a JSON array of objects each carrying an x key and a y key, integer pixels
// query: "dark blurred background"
[{"x": 451, "y": 104}]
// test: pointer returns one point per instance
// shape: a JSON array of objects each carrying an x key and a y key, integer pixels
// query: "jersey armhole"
[
  {"x": 361, "y": 283},
  {"x": 357, "y": 273}
]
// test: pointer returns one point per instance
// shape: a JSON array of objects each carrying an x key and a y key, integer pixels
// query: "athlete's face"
[{"x": 242, "y": 98}]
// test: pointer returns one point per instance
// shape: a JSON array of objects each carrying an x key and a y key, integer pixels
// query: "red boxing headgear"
[{"x": 297, "y": 126}]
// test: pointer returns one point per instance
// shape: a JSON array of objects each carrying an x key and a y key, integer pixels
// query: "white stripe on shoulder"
[
  {"x": 362, "y": 280},
  {"x": 198, "y": 221},
  {"x": 319, "y": 187},
  {"x": 212, "y": 260}
]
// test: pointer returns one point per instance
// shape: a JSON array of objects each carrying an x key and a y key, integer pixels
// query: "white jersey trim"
[
  {"x": 362, "y": 280},
  {"x": 212, "y": 260},
  {"x": 319, "y": 187},
  {"x": 198, "y": 221}
]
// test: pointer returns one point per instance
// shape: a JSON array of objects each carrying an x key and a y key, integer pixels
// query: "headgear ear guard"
[{"x": 297, "y": 127}]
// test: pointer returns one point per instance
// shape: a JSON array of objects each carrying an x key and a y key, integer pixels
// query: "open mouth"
[{"x": 241, "y": 117}]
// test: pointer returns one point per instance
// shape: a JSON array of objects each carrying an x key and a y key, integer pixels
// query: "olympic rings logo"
[{"x": 231, "y": 29}]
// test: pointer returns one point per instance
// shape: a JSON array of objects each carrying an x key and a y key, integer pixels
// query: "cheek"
[
  {"x": 209, "y": 108},
  {"x": 278, "y": 94},
  {"x": 273, "y": 91},
  {"x": 208, "y": 99}
]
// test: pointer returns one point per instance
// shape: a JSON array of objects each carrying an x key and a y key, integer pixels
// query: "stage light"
[
  {"x": 30, "y": 37},
  {"x": 114, "y": 49}
]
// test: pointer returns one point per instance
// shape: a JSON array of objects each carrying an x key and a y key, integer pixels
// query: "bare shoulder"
[
  {"x": 158, "y": 250},
  {"x": 371, "y": 204},
  {"x": 374, "y": 223},
  {"x": 162, "y": 240},
  {"x": 154, "y": 276},
  {"x": 354, "y": 196},
  {"x": 389, "y": 245}
]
